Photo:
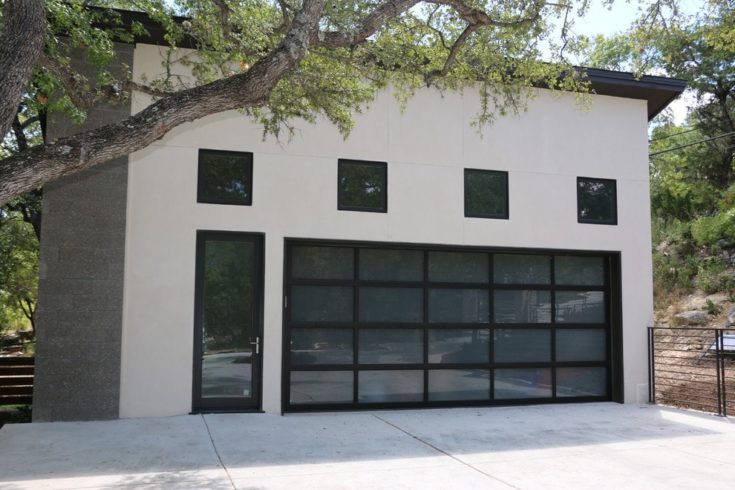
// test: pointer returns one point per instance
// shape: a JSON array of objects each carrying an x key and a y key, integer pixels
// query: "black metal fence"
[{"x": 692, "y": 367}]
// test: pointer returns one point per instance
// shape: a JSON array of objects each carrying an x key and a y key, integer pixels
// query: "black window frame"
[
  {"x": 468, "y": 213},
  {"x": 612, "y": 326},
  {"x": 249, "y": 176},
  {"x": 368, "y": 209},
  {"x": 614, "y": 219}
]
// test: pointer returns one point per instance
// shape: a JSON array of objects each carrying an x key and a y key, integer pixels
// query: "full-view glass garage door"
[{"x": 368, "y": 326}]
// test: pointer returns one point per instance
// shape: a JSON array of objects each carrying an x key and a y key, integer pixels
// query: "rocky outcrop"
[
  {"x": 731, "y": 316},
  {"x": 691, "y": 317}
]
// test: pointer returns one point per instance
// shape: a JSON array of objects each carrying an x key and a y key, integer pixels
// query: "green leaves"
[
  {"x": 18, "y": 270},
  {"x": 414, "y": 48},
  {"x": 278, "y": 60},
  {"x": 680, "y": 183},
  {"x": 692, "y": 190},
  {"x": 688, "y": 180}
]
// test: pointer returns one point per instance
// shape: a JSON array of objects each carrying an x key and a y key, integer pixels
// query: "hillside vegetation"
[{"x": 691, "y": 163}]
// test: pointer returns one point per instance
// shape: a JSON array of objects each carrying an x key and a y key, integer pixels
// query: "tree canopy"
[
  {"x": 691, "y": 163},
  {"x": 274, "y": 59},
  {"x": 701, "y": 50}
]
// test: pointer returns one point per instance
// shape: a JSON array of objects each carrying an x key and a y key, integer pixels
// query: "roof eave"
[{"x": 659, "y": 92}]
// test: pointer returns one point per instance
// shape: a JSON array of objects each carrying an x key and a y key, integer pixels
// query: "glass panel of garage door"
[{"x": 228, "y": 322}]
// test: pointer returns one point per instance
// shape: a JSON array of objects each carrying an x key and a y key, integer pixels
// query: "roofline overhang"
[{"x": 657, "y": 91}]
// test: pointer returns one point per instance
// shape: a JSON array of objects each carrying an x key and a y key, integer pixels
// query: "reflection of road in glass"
[
  {"x": 227, "y": 375},
  {"x": 522, "y": 383}
]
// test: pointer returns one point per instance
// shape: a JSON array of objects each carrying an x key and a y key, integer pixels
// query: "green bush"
[
  {"x": 672, "y": 273},
  {"x": 727, "y": 283},
  {"x": 676, "y": 234},
  {"x": 712, "y": 276},
  {"x": 712, "y": 308},
  {"x": 707, "y": 230}
]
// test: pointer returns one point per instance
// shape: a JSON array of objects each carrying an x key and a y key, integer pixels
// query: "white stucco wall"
[{"x": 295, "y": 195}]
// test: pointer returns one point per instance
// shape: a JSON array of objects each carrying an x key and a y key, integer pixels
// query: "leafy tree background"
[
  {"x": 20, "y": 233},
  {"x": 18, "y": 273},
  {"x": 691, "y": 164},
  {"x": 228, "y": 296}
]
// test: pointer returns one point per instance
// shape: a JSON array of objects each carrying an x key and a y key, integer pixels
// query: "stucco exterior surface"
[
  {"x": 79, "y": 317},
  {"x": 295, "y": 195}
]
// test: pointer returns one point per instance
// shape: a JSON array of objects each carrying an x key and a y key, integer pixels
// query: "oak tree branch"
[{"x": 43, "y": 163}]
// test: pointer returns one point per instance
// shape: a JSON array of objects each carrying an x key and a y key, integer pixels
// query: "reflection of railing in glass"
[
  {"x": 580, "y": 307},
  {"x": 522, "y": 306},
  {"x": 321, "y": 346}
]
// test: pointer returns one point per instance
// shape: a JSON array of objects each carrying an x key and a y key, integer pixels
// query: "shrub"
[
  {"x": 708, "y": 230},
  {"x": 677, "y": 234},
  {"x": 672, "y": 273},
  {"x": 712, "y": 309},
  {"x": 712, "y": 276}
]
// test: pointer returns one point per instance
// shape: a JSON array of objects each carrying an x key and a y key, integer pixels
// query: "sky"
[{"x": 601, "y": 20}]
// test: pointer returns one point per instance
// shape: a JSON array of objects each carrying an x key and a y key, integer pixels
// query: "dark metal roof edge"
[
  {"x": 155, "y": 30},
  {"x": 627, "y": 78},
  {"x": 658, "y": 91},
  {"x": 655, "y": 111}
]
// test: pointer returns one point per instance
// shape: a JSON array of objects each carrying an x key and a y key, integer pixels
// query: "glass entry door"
[{"x": 228, "y": 322}]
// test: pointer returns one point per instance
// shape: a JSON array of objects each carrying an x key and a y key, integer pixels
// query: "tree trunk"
[
  {"x": 21, "y": 42},
  {"x": 29, "y": 311}
]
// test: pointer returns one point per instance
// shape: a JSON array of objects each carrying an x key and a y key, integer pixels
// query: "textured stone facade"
[{"x": 81, "y": 284}]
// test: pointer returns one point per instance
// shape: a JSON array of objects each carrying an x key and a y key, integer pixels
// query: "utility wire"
[
  {"x": 672, "y": 135},
  {"x": 691, "y": 144}
]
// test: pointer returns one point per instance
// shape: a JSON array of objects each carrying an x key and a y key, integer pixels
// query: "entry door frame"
[{"x": 202, "y": 405}]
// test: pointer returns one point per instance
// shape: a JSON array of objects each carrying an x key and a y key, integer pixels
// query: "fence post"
[
  {"x": 721, "y": 367},
  {"x": 651, "y": 368},
  {"x": 718, "y": 356}
]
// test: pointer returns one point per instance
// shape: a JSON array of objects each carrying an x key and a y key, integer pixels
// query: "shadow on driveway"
[{"x": 602, "y": 445}]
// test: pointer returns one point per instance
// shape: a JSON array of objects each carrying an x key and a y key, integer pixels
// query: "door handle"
[{"x": 256, "y": 344}]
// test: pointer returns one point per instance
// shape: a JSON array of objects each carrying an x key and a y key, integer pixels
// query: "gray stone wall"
[{"x": 81, "y": 282}]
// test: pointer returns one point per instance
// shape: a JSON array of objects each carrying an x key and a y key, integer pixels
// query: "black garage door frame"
[{"x": 613, "y": 326}]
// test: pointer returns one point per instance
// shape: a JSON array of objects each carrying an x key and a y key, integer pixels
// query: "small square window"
[
  {"x": 362, "y": 186},
  {"x": 485, "y": 194},
  {"x": 597, "y": 201},
  {"x": 225, "y": 177}
]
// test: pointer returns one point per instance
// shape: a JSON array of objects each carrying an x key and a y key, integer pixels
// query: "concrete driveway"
[{"x": 600, "y": 445}]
